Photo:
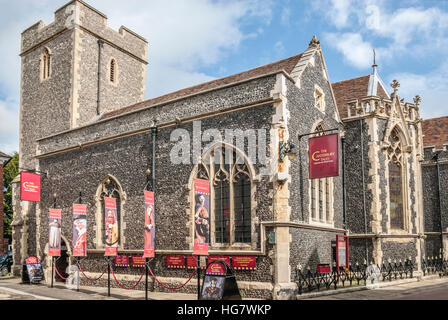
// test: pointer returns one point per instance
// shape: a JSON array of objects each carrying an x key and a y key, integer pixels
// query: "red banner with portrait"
[
  {"x": 29, "y": 186},
  {"x": 201, "y": 217},
  {"x": 54, "y": 233},
  {"x": 111, "y": 226},
  {"x": 149, "y": 225},
  {"x": 79, "y": 230},
  {"x": 324, "y": 156}
]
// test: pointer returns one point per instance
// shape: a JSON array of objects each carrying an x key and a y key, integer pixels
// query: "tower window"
[
  {"x": 45, "y": 64},
  {"x": 113, "y": 71}
]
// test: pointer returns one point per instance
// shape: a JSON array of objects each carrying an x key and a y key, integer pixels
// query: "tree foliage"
[{"x": 10, "y": 171}]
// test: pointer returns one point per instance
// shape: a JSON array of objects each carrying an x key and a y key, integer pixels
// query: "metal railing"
[
  {"x": 435, "y": 265},
  {"x": 353, "y": 275}
]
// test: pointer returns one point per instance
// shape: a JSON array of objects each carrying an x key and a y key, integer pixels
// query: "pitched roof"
[
  {"x": 285, "y": 64},
  {"x": 4, "y": 155},
  {"x": 355, "y": 88},
  {"x": 435, "y": 131}
]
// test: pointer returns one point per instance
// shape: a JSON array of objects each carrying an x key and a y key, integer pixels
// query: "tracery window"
[
  {"x": 395, "y": 158},
  {"x": 45, "y": 64},
  {"x": 109, "y": 188},
  {"x": 321, "y": 193},
  {"x": 231, "y": 189}
]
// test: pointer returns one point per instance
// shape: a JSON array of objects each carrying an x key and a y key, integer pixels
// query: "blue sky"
[{"x": 192, "y": 41}]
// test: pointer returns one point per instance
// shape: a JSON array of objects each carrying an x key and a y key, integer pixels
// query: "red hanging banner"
[
  {"x": 149, "y": 225},
  {"x": 201, "y": 217},
  {"x": 29, "y": 186},
  {"x": 324, "y": 156},
  {"x": 54, "y": 235},
  {"x": 79, "y": 230},
  {"x": 111, "y": 228}
]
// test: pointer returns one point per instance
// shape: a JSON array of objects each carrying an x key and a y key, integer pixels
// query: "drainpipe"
[
  {"x": 436, "y": 159},
  {"x": 364, "y": 189},
  {"x": 98, "y": 95},
  {"x": 344, "y": 191}
]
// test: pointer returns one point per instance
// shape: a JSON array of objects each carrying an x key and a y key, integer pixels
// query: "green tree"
[{"x": 10, "y": 172}]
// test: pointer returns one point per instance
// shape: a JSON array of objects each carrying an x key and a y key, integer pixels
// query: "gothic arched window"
[
  {"x": 321, "y": 193},
  {"x": 45, "y": 64},
  {"x": 395, "y": 158},
  {"x": 108, "y": 188},
  {"x": 231, "y": 190}
]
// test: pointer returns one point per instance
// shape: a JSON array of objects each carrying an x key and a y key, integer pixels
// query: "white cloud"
[
  {"x": 183, "y": 36},
  {"x": 355, "y": 50},
  {"x": 9, "y": 126},
  {"x": 432, "y": 87}
]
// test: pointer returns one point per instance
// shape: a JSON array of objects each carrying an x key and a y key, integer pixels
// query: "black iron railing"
[
  {"x": 435, "y": 265},
  {"x": 353, "y": 275}
]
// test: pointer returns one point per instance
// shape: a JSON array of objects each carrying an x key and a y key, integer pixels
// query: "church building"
[{"x": 86, "y": 127}]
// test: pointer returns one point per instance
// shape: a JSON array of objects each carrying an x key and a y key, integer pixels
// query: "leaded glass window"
[
  {"x": 395, "y": 157},
  {"x": 231, "y": 190}
]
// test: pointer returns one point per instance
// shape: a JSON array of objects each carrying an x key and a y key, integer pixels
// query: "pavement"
[
  {"x": 14, "y": 289},
  {"x": 433, "y": 288}
]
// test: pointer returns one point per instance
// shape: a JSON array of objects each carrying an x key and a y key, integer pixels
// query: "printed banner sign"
[
  {"x": 341, "y": 251},
  {"x": 244, "y": 263},
  {"x": 149, "y": 225},
  {"x": 54, "y": 237},
  {"x": 121, "y": 261},
  {"x": 34, "y": 272},
  {"x": 218, "y": 267},
  {"x": 175, "y": 261},
  {"x": 138, "y": 261},
  {"x": 111, "y": 226},
  {"x": 79, "y": 230},
  {"x": 201, "y": 217},
  {"x": 192, "y": 262},
  {"x": 29, "y": 186},
  {"x": 324, "y": 156}
]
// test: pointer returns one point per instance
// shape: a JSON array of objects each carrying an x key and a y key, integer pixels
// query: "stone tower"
[{"x": 73, "y": 70}]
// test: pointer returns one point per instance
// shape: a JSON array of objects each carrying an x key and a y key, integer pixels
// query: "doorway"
[{"x": 62, "y": 263}]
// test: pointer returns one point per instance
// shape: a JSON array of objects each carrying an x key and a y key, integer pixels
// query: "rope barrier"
[
  {"x": 171, "y": 288},
  {"x": 80, "y": 269},
  {"x": 122, "y": 286},
  {"x": 54, "y": 266}
]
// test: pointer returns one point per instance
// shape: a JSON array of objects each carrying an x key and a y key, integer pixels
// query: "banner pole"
[
  {"x": 79, "y": 278},
  {"x": 52, "y": 271},
  {"x": 108, "y": 276},
  {"x": 146, "y": 282},
  {"x": 198, "y": 271}
]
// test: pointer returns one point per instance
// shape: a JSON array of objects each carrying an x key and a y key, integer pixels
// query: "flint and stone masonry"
[{"x": 87, "y": 124}]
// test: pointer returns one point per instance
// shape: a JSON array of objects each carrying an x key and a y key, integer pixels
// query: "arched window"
[
  {"x": 45, "y": 64},
  {"x": 113, "y": 71},
  {"x": 231, "y": 194},
  {"x": 108, "y": 188},
  {"x": 395, "y": 158},
  {"x": 321, "y": 193}
]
